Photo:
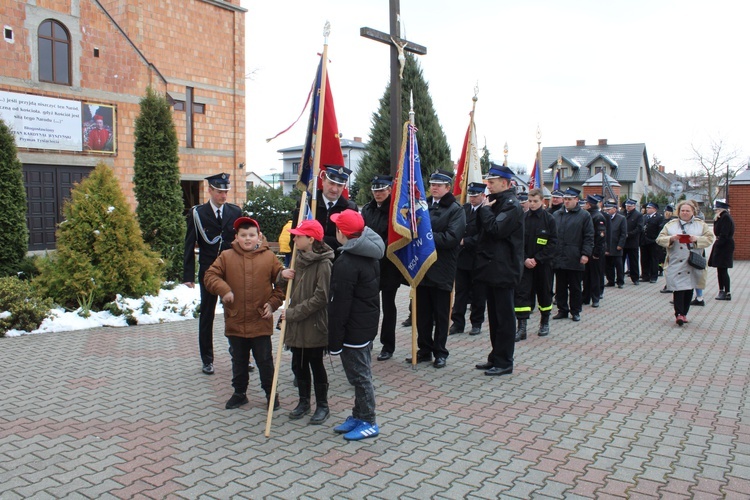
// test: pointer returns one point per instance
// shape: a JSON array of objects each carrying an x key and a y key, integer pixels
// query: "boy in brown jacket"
[{"x": 244, "y": 277}]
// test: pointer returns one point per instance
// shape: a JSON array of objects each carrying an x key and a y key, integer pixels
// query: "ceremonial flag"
[
  {"x": 411, "y": 246},
  {"x": 469, "y": 167},
  {"x": 556, "y": 182},
  {"x": 330, "y": 146},
  {"x": 535, "y": 180}
]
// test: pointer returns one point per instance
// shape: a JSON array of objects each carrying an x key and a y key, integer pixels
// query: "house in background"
[
  {"x": 579, "y": 165},
  {"x": 254, "y": 180},
  {"x": 352, "y": 149}
]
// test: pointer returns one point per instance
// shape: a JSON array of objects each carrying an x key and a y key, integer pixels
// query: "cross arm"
[{"x": 385, "y": 38}]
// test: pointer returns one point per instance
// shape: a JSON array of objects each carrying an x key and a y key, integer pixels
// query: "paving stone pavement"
[{"x": 624, "y": 404}]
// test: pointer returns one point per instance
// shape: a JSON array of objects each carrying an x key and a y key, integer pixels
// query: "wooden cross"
[{"x": 398, "y": 46}]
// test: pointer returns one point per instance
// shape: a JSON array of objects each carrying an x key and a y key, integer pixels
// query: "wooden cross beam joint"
[{"x": 387, "y": 39}]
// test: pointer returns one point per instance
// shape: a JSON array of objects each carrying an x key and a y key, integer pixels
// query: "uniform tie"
[
  {"x": 330, "y": 205},
  {"x": 218, "y": 215}
]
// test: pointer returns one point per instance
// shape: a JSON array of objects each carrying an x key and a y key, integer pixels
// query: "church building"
[{"x": 72, "y": 74}]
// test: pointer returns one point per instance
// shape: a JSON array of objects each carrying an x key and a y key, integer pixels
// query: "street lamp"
[
  {"x": 273, "y": 177},
  {"x": 505, "y": 150}
]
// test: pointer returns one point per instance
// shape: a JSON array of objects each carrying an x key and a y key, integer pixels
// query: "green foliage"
[
  {"x": 14, "y": 235},
  {"x": 100, "y": 250},
  {"x": 433, "y": 145},
  {"x": 157, "y": 182},
  {"x": 484, "y": 160},
  {"x": 270, "y": 208},
  {"x": 662, "y": 199},
  {"x": 26, "y": 307},
  {"x": 28, "y": 269}
]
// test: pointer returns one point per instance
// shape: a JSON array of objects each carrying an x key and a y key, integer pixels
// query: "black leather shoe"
[
  {"x": 475, "y": 330},
  {"x": 560, "y": 315},
  {"x": 484, "y": 366},
  {"x": 610, "y": 284},
  {"x": 421, "y": 358},
  {"x": 407, "y": 321},
  {"x": 238, "y": 399},
  {"x": 636, "y": 283},
  {"x": 696, "y": 302},
  {"x": 439, "y": 363},
  {"x": 384, "y": 355},
  {"x": 576, "y": 317},
  {"x": 454, "y": 330},
  {"x": 620, "y": 285},
  {"x": 652, "y": 280},
  {"x": 665, "y": 290},
  {"x": 595, "y": 304},
  {"x": 208, "y": 368},
  {"x": 496, "y": 371}
]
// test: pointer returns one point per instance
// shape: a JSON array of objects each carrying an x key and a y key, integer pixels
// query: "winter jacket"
[
  {"x": 285, "y": 238},
  {"x": 600, "y": 233},
  {"x": 652, "y": 226},
  {"x": 680, "y": 275},
  {"x": 250, "y": 276},
  {"x": 575, "y": 238},
  {"x": 634, "y": 221},
  {"x": 376, "y": 217},
  {"x": 540, "y": 236},
  {"x": 500, "y": 253},
  {"x": 617, "y": 233},
  {"x": 307, "y": 312},
  {"x": 722, "y": 253},
  {"x": 354, "y": 300},
  {"x": 467, "y": 254},
  {"x": 448, "y": 227}
]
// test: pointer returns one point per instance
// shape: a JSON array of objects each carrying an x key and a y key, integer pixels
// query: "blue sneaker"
[
  {"x": 363, "y": 431},
  {"x": 349, "y": 424}
]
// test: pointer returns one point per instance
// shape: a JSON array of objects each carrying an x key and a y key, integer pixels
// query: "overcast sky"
[{"x": 667, "y": 73}]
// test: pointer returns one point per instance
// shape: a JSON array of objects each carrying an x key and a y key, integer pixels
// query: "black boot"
[
  {"x": 544, "y": 326},
  {"x": 321, "y": 405},
  {"x": 407, "y": 321},
  {"x": 303, "y": 407},
  {"x": 521, "y": 331},
  {"x": 276, "y": 403}
]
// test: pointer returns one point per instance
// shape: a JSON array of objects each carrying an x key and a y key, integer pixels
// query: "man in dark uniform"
[
  {"x": 652, "y": 224},
  {"x": 556, "y": 200},
  {"x": 592, "y": 274},
  {"x": 467, "y": 289},
  {"x": 376, "y": 214},
  {"x": 575, "y": 242},
  {"x": 329, "y": 201},
  {"x": 540, "y": 241},
  {"x": 499, "y": 266},
  {"x": 617, "y": 232},
  {"x": 634, "y": 220},
  {"x": 211, "y": 227},
  {"x": 434, "y": 291}
]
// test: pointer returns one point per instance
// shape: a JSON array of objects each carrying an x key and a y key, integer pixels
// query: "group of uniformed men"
[{"x": 499, "y": 252}]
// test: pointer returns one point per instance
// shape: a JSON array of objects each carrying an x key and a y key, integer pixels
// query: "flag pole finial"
[
  {"x": 326, "y": 31},
  {"x": 476, "y": 93},
  {"x": 411, "y": 107}
]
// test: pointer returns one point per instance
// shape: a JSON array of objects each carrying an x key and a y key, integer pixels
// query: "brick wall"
[
  {"x": 189, "y": 42},
  {"x": 741, "y": 215},
  {"x": 594, "y": 189}
]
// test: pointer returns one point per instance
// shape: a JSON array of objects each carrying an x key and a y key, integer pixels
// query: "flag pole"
[
  {"x": 413, "y": 292},
  {"x": 467, "y": 159},
  {"x": 539, "y": 160},
  {"x": 319, "y": 130}
]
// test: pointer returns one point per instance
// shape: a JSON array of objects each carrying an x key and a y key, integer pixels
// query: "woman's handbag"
[{"x": 695, "y": 259}]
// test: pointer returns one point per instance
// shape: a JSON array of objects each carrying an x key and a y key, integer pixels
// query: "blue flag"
[
  {"x": 556, "y": 182},
  {"x": 411, "y": 246}
]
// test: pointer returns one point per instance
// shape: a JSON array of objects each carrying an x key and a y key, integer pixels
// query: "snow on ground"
[{"x": 177, "y": 304}]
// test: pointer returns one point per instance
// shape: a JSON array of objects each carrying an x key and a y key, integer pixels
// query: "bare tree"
[{"x": 717, "y": 165}]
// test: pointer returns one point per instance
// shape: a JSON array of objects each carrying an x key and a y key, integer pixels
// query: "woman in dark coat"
[{"x": 722, "y": 253}]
